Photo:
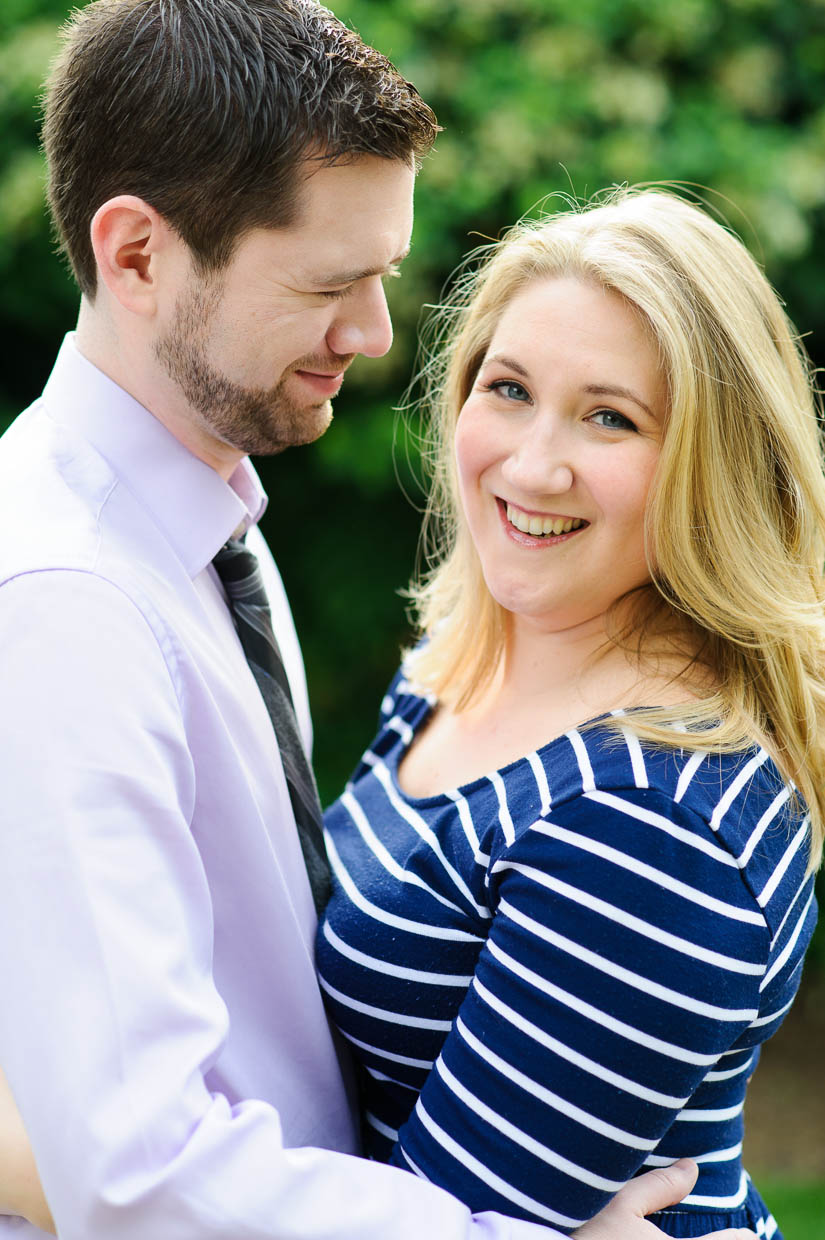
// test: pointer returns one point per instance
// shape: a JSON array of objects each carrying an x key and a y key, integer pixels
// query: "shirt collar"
[{"x": 193, "y": 506}]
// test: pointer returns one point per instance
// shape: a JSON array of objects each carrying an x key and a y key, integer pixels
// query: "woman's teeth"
[{"x": 542, "y": 526}]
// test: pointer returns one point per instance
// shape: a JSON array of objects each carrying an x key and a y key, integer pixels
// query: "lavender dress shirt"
[{"x": 161, "y": 1026}]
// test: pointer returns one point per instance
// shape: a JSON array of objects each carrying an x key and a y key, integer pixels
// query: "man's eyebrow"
[{"x": 352, "y": 277}]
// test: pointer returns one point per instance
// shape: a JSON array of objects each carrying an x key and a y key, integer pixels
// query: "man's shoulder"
[
  {"x": 53, "y": 491},
  {"x": 63, "y": 506},
  {"x": 73, "y": 557}
]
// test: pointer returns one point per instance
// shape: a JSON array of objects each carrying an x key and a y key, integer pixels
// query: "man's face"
[{"x": 258, "y": 349}]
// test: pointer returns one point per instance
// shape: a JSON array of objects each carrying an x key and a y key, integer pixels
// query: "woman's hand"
[
  {"x": 624, "y": 1217},
  {"x": 20, "y": 1189}
]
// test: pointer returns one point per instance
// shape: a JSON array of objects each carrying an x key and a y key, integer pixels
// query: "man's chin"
[
  {"x": 299, "y": 427},
  {"x": 316, "y": 422}
]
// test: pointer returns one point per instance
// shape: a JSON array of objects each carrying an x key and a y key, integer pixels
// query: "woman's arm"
[
  {"x": 20, "y": 1189},
  {"x": 622, "y": 960}
]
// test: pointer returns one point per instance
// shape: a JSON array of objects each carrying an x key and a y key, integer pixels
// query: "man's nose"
[{"x": 364, "y": 324}]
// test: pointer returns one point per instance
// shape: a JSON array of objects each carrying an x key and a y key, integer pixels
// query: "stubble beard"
[{"x": 254, "y": 420}]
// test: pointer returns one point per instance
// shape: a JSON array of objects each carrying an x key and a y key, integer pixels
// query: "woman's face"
[{"x": 556, "y": 446}]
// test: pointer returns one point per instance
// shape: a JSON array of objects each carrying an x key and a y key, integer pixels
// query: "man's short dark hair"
[{"x": 206, "y": 109}]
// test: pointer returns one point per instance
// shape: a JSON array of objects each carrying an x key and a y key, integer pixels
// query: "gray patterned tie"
[{"x": 238, "y": 570}]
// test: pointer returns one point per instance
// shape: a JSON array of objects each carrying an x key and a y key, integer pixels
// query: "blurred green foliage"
[
  {"x": 536, "y": 97},
  {"x": 799, "y": 1207}
]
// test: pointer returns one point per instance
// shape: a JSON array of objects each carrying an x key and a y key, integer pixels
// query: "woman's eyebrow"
[
  {"x": 593, "y": 389},
  {"x": 502, "y": 360},
  {"x": 598, "y": 389}
]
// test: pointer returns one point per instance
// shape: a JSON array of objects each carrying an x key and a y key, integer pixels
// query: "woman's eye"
[
  {"x": 509, "y": 389},
  {"x": 335, "y": 294},
  {"x": 612, "y": 420}
]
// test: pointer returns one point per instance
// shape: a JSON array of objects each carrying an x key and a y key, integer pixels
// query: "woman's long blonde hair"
[{"x": 736, "y": 511}]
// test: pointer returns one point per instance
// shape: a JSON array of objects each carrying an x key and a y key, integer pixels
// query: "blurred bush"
[
  {"x": 799, "y": 1206},
  {"x": 536, "y": 97}
]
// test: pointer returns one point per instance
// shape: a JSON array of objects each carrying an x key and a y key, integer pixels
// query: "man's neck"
[{"x": 130, "y": 363}]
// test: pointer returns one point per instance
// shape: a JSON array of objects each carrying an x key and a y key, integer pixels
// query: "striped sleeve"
[{"x": 625, "y": 956}]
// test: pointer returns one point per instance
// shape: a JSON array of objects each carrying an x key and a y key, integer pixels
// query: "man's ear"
[{"x": 130, "y": 241}]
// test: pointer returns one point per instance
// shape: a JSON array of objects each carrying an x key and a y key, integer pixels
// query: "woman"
[
  {"x": 574, "y": 870},
  {"x": 573, "y": 878}
]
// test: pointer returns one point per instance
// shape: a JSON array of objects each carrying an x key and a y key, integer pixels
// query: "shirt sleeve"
[
  {"x": 110, "y": 1018},
  {"x": 624, "y": 956}
]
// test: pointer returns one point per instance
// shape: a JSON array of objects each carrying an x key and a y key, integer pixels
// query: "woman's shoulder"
[
  {"x": 403, "y": 707},
  {"x": 734, "y": 787},
  {"x": 401, "y": 694},
  {"x": 735, "y": 806},
  {"x": 402, "y": 710}
]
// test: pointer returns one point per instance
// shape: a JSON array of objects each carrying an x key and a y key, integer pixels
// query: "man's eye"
[
  {"x": 509, "y": 389},
  {"x": 335, "y": 294}
]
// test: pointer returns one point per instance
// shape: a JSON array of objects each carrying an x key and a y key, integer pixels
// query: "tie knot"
[
  {"x": 240, "y": 575},
  {"x": 235, "y": 563}
]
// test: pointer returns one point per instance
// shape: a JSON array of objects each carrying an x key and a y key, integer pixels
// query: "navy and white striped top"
[{"x": 558, "y": 974}]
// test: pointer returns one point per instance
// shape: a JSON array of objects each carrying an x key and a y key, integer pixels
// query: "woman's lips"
[{"x": 537, "y": 529}]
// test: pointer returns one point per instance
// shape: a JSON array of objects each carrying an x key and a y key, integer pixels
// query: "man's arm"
[
  {"x": 112, "y": 1019},
  {"x": 623, "y": 1219},
  {"x": 111, "y": 1016}
]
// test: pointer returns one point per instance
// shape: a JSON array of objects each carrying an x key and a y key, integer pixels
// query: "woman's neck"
[
  {"x": 545, "y": 684},
  {"x": 569, "y": 664}
]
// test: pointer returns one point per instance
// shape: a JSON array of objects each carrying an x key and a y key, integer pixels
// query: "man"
[{"x": 231, "y": 180}]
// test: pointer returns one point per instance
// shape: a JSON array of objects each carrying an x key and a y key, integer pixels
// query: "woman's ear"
[{"x": 129, "y": 239}]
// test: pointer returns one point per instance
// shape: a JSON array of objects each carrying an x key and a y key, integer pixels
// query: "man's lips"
[{"x": 325, "y": 383}]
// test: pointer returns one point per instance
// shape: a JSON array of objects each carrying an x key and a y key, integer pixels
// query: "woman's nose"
[{"x": 540, "y": 465}]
